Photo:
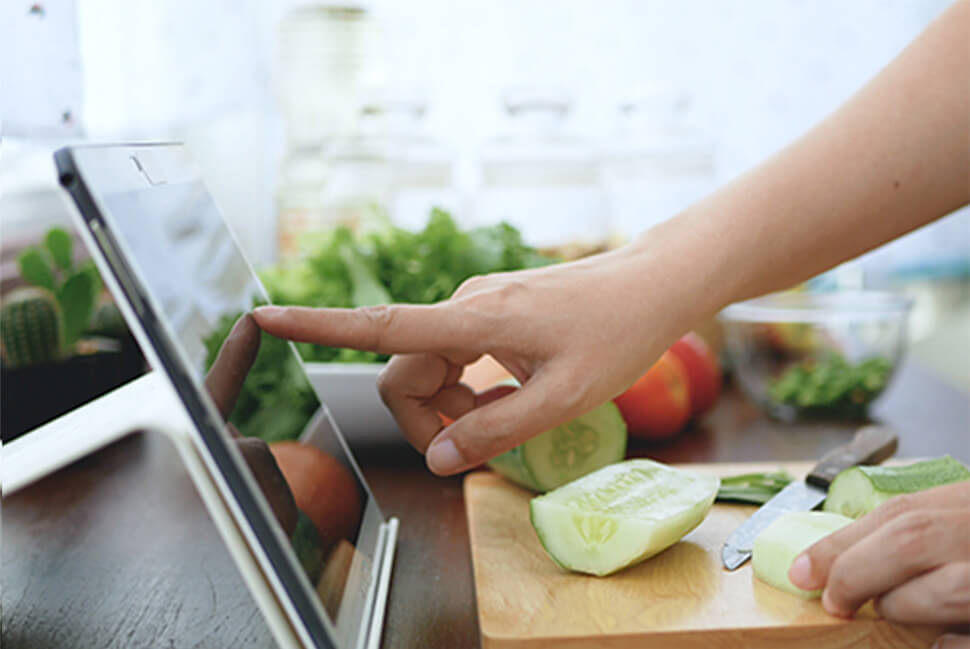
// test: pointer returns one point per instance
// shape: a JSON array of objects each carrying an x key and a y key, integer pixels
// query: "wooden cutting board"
[{"x": 679, "y": 599}]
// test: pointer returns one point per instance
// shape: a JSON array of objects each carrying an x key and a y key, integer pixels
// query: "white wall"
[{"x": 760, "y": 71}]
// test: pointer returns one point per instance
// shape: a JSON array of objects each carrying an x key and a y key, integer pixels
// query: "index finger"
[{"x": 385, "y": 329}]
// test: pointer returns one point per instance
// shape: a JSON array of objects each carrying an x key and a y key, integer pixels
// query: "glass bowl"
[{"x": 821, "y": 355}]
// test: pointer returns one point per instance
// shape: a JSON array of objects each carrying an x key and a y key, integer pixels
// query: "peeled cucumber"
[
  {"x": 620, "y": 515},
  {"x": 566, "y": 452},
  {"x": 857, "y": 491},
  {"x": 788, "y": 536}
]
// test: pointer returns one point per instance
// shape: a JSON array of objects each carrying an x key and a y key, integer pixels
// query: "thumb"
[{"x": 506, "y": 422}]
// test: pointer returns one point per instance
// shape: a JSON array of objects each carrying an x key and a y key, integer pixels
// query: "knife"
[{"x": 870, "y": 445}]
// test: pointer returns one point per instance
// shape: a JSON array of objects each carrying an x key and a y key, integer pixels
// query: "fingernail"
[
  {"x": 268, "y": 311},
  {"x": 800, "y": 572},
  {"x": 443, "y": 457}
]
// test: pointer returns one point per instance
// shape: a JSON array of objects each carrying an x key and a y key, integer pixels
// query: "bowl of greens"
[
  {"x": 816, "y": 355},
  {"x": 376, "y": 264}
]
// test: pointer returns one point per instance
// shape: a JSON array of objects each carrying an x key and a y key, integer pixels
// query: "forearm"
[{"x": 894, "y": 157}]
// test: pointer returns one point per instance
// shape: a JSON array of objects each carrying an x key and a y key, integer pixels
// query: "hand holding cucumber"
[{"x": 911, "y": 553}]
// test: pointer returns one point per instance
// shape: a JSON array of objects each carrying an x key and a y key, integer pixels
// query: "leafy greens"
[{"x": 341, "y": 268}]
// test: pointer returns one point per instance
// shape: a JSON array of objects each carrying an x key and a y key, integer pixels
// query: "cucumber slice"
[
  {"x": 857, "y": 491},
  {"x": 566, "y": 452},
  {"x": 621, "y": 514},
  {"x": 788, "y": 536}
]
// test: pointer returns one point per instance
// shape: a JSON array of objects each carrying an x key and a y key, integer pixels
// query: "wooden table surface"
[{"x": 116, "y": 551}]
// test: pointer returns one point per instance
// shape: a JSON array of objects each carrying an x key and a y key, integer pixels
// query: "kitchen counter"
[{"x": 117, "y": 552}]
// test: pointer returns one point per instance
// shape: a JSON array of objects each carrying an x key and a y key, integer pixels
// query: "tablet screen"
[{"x": 177, "y": 244}]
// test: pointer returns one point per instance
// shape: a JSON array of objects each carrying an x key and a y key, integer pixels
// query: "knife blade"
[{"x": 870, "y": 445}]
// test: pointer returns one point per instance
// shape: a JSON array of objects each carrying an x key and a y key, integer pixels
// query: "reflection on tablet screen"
[
  {"x": 193, "y": 270},
  {"x": 314, "y": 497}
]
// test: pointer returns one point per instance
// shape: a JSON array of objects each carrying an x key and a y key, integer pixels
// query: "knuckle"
[
  {"x": 573, "y": 392},
  {"x": 897, "y": 506},
  {"x": 470, "y": 285},
  {"x": 572, "y": 398},
  {"x": 491, "y": 292},
  {"x": 511, "y": 289},
  {"x": 379, "y": 318},
  {"x": 913, "y": 533}
]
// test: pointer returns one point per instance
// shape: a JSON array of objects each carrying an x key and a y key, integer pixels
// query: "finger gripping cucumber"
[
  {"x": 566, "y": 452},
  {"x": 620, "y": 515},
  {"x": 857, "y": 491}
]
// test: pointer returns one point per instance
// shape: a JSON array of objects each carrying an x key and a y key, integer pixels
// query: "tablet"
[{"x": 186, "y": 290}]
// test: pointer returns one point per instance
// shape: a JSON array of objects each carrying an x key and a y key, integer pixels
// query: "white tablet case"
[{"x": 151, "y": 404}]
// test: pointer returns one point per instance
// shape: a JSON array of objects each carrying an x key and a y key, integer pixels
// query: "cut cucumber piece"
[
  {"x": 787, "y": 537},
  {"x": 566, "y": 452},
  {"x": 620, "y": 514},
  {"x": 857, "y": 491}
]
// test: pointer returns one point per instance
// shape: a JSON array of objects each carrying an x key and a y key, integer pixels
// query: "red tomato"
[
  {"x": 657, "y": 406},
  {"x": 324, "y": 489},
  {"x": 703, "y": 371}
]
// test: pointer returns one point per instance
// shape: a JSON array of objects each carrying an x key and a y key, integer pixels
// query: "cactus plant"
[
  {"x": 31, "y": 327},
  {"x": 76, "y": 287}
]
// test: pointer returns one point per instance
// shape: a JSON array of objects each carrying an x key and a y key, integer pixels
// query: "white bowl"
[{"x": 349, "y": 390}]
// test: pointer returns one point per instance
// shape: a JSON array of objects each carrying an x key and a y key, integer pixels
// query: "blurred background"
[{"x": 581, "y": 123}]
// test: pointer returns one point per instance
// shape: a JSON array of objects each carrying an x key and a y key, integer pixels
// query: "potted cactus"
[{"x": 62, "y": 343}]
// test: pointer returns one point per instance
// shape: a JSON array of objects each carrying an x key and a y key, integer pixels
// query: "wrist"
[{"x": 684, "y": 265}]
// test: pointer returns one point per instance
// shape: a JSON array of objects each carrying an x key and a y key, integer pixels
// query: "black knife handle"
[{"x": 870, "y": 445}]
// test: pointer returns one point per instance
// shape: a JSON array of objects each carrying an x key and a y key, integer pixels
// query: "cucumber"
[
  {"x": 620, "y": 515},
  {"x": 788, "y": 536},
  {"x": 567, "y": 452},
  {"x": 857, "y": 491}
]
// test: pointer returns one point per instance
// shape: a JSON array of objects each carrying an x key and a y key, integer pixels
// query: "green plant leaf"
[
  {"x": 35, "y": 267},
  {"x": 77, "y": 298},
  {"x": 92, "y": 270},
  {"x": 61, "y": 247},
  {"x": 367, "y": 291}
]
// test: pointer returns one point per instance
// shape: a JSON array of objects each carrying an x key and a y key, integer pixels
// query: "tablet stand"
[{"x": 149, "y": 404}]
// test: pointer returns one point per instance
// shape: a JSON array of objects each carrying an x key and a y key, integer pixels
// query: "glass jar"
[
  {"x": 391, "y": 165},
  {"x": 543, "y": 180},
  {"x": 421, "y": 168},
  {"x": 325, "y": 55},
  {"x": 298, "y": 203},
  {"x": 655, "y": 164}
]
